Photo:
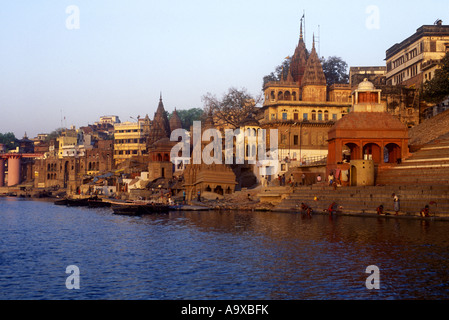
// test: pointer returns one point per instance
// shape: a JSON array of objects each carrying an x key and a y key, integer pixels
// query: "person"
[
  {"x": 305, "y": 208},
  {"x": 184, "y": 196},
  {"x": 318, "y": 178},
  {"x": 199, "y": 195},
  {"x": 303, "y": 179},
  {"x": 380, "y": 209},
  {"x": 395, "y": 203},
  {"x": 332, "y": 208},
  {"x": 330, "y": 178},
  {"x": 425, "y": 212},
  {"x": 292, "y": 180}
]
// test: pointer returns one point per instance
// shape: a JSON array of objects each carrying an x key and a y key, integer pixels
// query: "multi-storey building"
[
  {"x": 129, "y": 141},
  {"x": 415, "y": 59}
]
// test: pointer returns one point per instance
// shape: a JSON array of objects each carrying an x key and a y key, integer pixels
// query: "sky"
[{"x": 66, "y": 63}]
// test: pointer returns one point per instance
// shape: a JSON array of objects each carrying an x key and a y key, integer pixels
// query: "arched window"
[
  {"x": 280, "y": 95},
  {"x": 313, "y": 115}
]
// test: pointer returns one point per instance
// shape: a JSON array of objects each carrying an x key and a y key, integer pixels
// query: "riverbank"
[{"x": 354, "y": 201}]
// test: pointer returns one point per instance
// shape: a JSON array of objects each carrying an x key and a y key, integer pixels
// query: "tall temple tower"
[
  {"x": 160, "y": 125},
  {"x": 314, "y": 86},
  {"x": 299, "y": 61}
]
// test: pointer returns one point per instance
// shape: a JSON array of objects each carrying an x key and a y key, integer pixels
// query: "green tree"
[
  {"x": 335, "y": 70},
  {"x": 437, "y": 89},
  {"x": 8, "y": 139}
]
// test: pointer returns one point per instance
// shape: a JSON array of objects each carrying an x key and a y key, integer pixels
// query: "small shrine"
[{"x": 366, "y": 138}]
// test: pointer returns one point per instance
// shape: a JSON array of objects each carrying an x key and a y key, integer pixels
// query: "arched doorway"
[
  {"x": 392, "y": 153},
  {"x": 351, "y": 151},
  {"x": 66, "y": 173},
  {"x": 219, "y": 190},
  {"x": 372, "y": 151}
]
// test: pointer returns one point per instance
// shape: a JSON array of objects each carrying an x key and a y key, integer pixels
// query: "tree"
[
  {"x": 280, "y": 73},
  {"x": 437, "y": 89},
  {"x": 335, "y": 70},
  {"x": 188, "y": 116},
  {"x": 233, "y": 108},
  {"x": 8, "y": 140}
]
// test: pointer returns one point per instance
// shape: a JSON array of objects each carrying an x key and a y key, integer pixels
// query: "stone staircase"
[
  {"x": 428, "y": 165},
  {"x": 366, "y": 199}
]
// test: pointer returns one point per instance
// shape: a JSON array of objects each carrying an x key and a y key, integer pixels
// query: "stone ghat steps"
[
  {"x": 361, "y": 199},
  {"x": 414, "y": 176},
  {"x": 428, "y": 165}
]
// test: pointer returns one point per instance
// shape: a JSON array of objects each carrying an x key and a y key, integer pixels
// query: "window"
[
  {"x": 326, "y": 116},
  {"x": 304, "y": 116},
  {"x": 284, "y": 116},
  {"x": 313, "y": 115},
  {"x": 295, "y": 140},
  {"x": 334, "y": 116},
  {"x": 320, "y": 115},
  {"x": 295, "y": 116}
]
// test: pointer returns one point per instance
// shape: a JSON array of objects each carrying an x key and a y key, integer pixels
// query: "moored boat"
[
  {"x": 98, "y": 203},
  {"x": 138, "y": 208}
]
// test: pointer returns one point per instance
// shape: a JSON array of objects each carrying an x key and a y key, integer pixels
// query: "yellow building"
[
  {"x": 129, "y": 141},
  {"x": 67, "y": 142}
]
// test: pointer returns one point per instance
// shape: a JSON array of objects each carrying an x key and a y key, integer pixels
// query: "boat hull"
[{"x": 137, "y": 210}]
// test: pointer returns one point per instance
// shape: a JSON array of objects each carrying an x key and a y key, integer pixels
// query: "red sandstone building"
[{"x": 367, "y": 133}]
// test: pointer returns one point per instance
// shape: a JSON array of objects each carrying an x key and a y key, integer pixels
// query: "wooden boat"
[
  {"x": 136, "y": 208},
  {"x": 72, "y": 202},
  {"x": 61, "y": 202},
  {"x": 98, "y": 203}
]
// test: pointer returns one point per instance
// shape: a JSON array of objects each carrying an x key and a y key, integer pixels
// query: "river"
[{"x": 216, "y": 255}]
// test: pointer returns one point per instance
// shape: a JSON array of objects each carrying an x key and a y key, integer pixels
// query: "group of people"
[
  {"x": 306, "y": 209},
  {"x": 425, "y": 212}
]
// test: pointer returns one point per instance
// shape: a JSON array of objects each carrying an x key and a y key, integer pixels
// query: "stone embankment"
[
  {"x": 246, "y": 200},
  {"x": 365, "y": 200}
]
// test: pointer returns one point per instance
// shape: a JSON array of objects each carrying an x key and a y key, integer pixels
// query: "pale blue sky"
[{"x": 126, "y": 52}]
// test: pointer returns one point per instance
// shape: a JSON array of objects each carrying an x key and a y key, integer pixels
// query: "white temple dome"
[{"x": 366, "y": 85}]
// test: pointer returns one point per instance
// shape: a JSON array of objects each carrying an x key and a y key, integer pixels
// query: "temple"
[{"x": 368, "y": 138}]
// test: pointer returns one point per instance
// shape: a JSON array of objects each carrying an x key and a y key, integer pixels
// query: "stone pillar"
[
  {"x": 2, "y": 172},
  {"x": 13, "y": 170}
]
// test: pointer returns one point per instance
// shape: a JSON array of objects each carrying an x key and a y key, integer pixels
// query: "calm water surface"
[{"x": 212, "y": 255}]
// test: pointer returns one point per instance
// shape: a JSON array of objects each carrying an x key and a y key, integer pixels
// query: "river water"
[{"x": 216, "y": 255}]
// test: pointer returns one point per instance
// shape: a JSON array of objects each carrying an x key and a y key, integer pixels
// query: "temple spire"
[{"x": 300, "y": 33}]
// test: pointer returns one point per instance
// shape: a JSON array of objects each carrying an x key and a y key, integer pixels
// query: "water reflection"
[{"x": 217, "y": 255}]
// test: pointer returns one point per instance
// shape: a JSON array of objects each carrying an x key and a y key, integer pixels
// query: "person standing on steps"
[{"x": 395, "y": 203}]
